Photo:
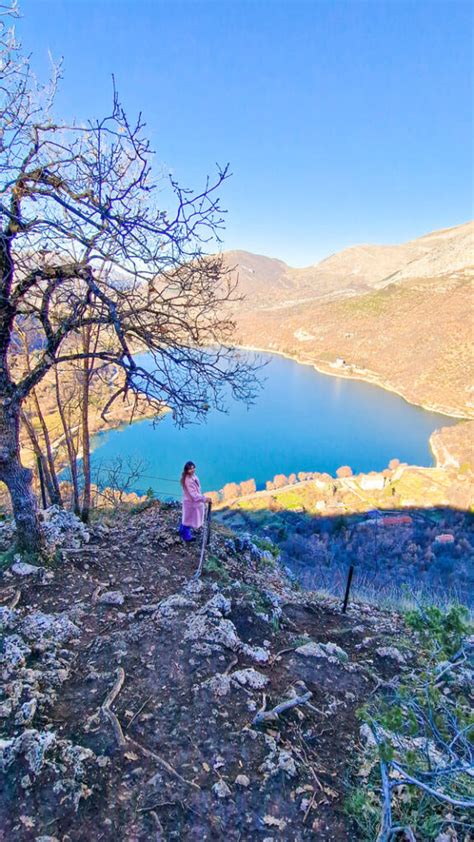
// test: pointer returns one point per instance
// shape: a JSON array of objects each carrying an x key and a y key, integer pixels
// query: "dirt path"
[{"x": 199, "y": 661}]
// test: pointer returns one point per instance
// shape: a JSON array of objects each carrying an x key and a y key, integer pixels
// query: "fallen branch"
[
  {"x": 409, "y": 779},
  {"x": 273, "y": 714},
  {"x": 148, "y": 753},
  {"x": 76, "y": 550},
  {"x": 122, "y": 740},
  {"x": 159, "y": 826},
  {"x": 105, "y": 709},
  {"x": 309, "y": 807},
  {"x": 385, "y": 831}
]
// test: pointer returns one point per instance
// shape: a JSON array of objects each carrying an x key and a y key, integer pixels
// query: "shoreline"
[
  {"x": 439, "y": 458},
  {"x": 351, "y": 376}
]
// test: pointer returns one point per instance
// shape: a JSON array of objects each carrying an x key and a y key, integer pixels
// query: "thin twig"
[
  {"x": 164, "y": 763},
  {"x": 138, "y": 712},
  {"x": 456, "y": 802},
  {"x": 154, "y": 806},
  {"x": 309, "y": 807}
]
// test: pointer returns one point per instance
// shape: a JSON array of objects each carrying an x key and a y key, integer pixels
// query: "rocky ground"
[{"x": 135, "y": 699}]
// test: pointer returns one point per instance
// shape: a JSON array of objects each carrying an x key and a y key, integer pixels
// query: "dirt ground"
[{"x": 175, "y": 753}]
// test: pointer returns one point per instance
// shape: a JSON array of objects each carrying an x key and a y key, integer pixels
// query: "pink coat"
[{"x": 193, "y": 502}]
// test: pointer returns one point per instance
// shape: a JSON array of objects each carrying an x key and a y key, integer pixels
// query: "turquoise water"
[{"x": 301, "y": 421}]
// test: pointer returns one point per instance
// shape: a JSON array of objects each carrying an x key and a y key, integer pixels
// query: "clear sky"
[{"x": 344, "y": 121}]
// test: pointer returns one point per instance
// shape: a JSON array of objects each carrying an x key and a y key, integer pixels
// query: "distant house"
[{"x": 338, "y": 363}]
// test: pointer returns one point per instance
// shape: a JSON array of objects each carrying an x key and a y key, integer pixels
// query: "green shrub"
[
  {"x": 446, "y": 628},
  {"x": 212, "y": 564}
]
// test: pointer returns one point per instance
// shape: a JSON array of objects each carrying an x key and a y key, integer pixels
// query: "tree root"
[
  {"x": 282, "y": 652},
  {"x": 123, "y": 740},
  {"x": 105, "y": 709},
  {"x": 273, "y": 714},
  {"x": 15, "y": 600},
  {"x": 232, "y": 664}
]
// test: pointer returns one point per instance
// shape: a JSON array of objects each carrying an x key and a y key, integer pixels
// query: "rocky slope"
[{"x": 137, "y": 701}]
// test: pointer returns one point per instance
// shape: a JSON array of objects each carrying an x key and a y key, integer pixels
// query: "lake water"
[{"x": 301, "y": 421}]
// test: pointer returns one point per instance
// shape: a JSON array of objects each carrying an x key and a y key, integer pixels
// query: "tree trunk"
[
  {"x": 56, "y": 492},
  {"x": 71, "y": 450},
  {"x": 18, "y": 480},
  {"x": 86, "y": 452},
  {"x": 38, "y": 453}
]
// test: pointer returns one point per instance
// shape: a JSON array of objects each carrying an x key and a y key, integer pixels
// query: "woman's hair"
[{"x": 186, "y": 468}]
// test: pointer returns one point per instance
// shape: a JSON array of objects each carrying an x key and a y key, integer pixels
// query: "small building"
[
  {"x": 338, "y": 363},
  {"x": 372, "y": 482}
]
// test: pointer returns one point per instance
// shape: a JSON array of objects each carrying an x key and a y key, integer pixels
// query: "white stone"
[
  {"x": 257, "y": 653},
  {"x": 286, "y": 763},
  {"x": 391, "y": 652},
  {"x": 250, "y": 678},
  {"x": 112, "y": 598},
  {"x": 218, "y": 684},
  {"x": 55, "y": 627},
  {"x": 367, "y": 735},
  {"x": 26, "y": 713},
  {"x": 221, "y": 789},
  {"x": 322, "y": 650},
  {"x": 21, "y": 568}
]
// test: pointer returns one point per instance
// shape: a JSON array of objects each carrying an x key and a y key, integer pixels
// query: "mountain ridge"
[
  {"x": 464, "y": 230},
  {"x": 402, "y": 322}
]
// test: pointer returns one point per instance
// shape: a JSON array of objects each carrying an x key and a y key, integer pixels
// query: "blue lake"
[{"x": 301, "y": 421}]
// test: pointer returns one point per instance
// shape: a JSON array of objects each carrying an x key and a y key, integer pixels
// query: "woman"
[{"x": 193, "y": 502}]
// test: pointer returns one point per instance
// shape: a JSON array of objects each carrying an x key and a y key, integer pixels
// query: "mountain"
[
  {"x": 353, "y": 270},
  {"x": 399, "y": 316}
]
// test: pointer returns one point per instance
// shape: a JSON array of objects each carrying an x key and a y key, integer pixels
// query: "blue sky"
[{"x": 343, "y": 121}]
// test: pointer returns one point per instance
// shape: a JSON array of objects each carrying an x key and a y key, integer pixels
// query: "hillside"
[
  {"x": 398, "y": 316},
  {"x": 357, "y": 268},
  {"x": 139, "y": 702}
]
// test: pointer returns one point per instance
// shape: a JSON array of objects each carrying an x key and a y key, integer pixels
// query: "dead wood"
[
  {"x": 96, "y": 593},
  {"x": 273, "y": 714},
  {"x": 309, "y": 807}
]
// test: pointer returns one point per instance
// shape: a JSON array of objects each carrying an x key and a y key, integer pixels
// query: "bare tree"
[{"x": 88, "y": 241}]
